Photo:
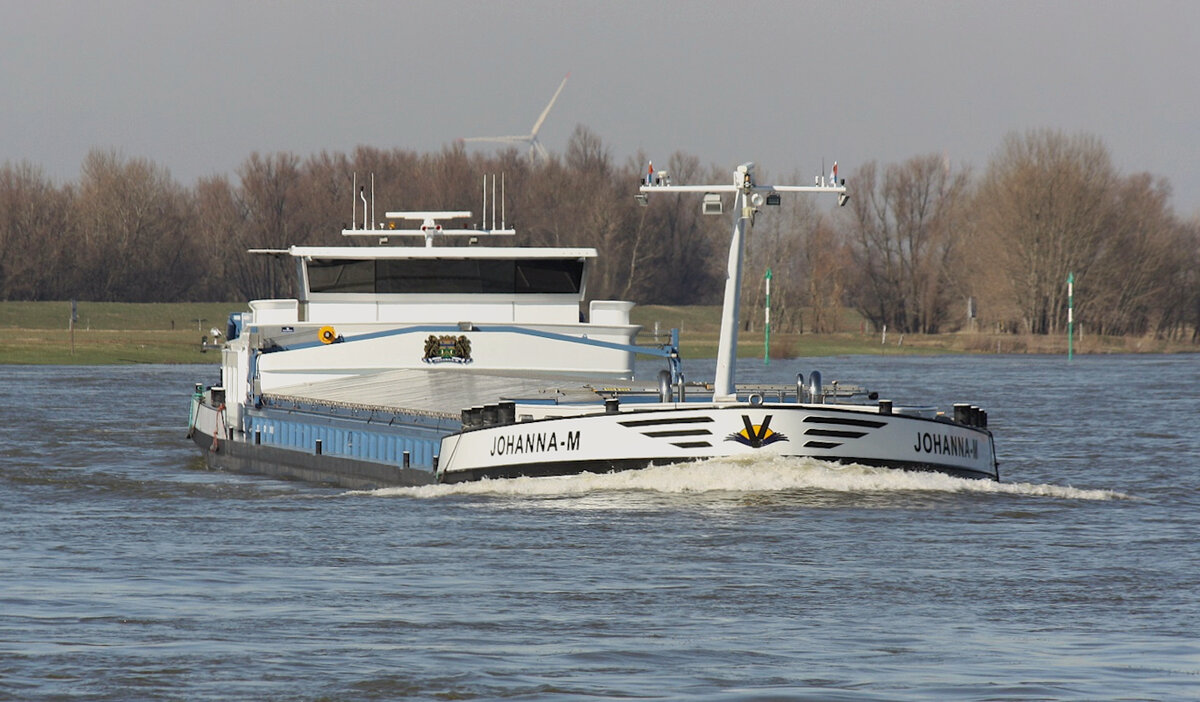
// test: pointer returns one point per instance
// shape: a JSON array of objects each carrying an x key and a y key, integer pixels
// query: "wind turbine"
[{"x": 536, "y": 150}]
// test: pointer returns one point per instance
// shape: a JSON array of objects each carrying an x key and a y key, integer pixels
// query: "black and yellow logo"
[{"x": 756, "y": 435}]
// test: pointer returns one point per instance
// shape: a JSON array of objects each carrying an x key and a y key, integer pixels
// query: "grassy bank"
[
  {"x": 110, "y": 333},
  {"x": 700, "y": 329}
]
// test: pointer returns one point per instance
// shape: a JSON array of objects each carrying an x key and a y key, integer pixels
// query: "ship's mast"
[{"x": 748, "y": 198}]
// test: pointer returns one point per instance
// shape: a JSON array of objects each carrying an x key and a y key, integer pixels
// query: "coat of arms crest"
[{"x": 447, "y": 349}]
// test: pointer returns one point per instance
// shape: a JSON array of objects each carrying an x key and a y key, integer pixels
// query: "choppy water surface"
[{"x": 127, "y": 571}]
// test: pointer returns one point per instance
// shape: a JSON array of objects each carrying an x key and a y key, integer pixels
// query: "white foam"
[{"x": 746, "y": 475}]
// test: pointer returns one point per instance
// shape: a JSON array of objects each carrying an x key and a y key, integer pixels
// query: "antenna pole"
[
  {"x": 372, "y": 201},
  {"x": 501, "y": 200},
  {"x": 353, "y": 201},
  {"x": 363, "y": 195},
  {"x": 493, "y": 201},
  {"x": 483, "y": 212}
]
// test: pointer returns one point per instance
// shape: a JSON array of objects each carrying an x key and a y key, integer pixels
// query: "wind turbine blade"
[
  {"x": 538, "y": 124},
  {"x": 503, "y": 139}
]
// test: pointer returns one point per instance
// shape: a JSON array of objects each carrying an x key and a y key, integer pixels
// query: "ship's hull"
[
  {"x": 594, "y": 443},
  {"x": 246, "y": 452},
  {"x": 634, "y": 439}
]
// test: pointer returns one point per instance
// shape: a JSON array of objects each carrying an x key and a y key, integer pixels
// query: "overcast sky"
[{"x": 197, "y": 86}]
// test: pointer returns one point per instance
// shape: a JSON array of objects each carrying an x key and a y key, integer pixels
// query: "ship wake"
[{"x": 749, "y": 476}]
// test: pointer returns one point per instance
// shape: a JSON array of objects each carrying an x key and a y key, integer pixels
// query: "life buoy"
[{"x": 327, "y": 335}]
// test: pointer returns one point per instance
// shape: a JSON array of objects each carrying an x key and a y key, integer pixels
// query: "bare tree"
[
  {"x": 586, "y": 152},
  {"x": 673, "y": 257},
  {"x": 220, "y": 234},
  {"x": 826, "y": 259},
  {"x": 269, "y": 201},
  {"x": 325, "y": 194},
  {"x": 1046, "y": 204},
  {"x": 35, "y": 235},
  {"x": 1137, "y": 264},
  {"x": 907, "y": 242},
  {"x": 132, "y": 217},
  {"x": 1186, "y": 308}
]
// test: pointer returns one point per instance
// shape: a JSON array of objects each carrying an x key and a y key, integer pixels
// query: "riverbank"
[
  {"x": 700, "y": 328},
  {"x": 122, "y": 333},
  {"x": 107, "y": 333}
]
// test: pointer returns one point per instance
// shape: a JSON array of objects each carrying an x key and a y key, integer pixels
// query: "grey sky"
[{"x": 197, "y": 86}]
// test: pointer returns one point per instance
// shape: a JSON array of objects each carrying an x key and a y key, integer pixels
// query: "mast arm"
[
  {"x": 689, "y": 189},
  {"x": 804, "y": 188}
]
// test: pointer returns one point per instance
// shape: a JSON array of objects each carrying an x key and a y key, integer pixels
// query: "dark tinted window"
[
  {"x": 336, "y": 275},
  {"x": 454, "y": 276},
  {"x": 548, "y": 276},
  {"x": 445, "y": 276}
]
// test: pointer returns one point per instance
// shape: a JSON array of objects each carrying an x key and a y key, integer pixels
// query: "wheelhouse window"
[
  {"x": 339, "y": 275},
  {"x": 445, "y": 276}
]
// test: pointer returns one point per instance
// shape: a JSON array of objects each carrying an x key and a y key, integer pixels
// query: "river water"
[{"x": 129, "y": 572}]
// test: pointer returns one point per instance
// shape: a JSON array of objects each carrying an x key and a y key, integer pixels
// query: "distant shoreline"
[{"x": 36, "y": 333}]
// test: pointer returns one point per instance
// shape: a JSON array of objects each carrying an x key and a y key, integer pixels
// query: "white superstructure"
[{"x": 370, "y": 309}]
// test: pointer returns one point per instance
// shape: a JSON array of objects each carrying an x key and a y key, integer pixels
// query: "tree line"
[{"x": 922, "y": 247}]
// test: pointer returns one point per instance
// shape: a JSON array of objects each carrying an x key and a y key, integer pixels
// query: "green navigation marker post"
[
  {"x": 1070, "y": 316},
  {"x": 767, "y": 325}
]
